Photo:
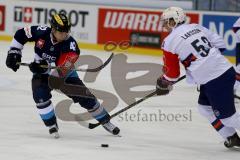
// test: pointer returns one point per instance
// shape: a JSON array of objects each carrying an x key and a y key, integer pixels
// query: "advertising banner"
[
  {"x": 97, "y": 25},
  {"x": 222, "y": 25},
  {"x": 82, "y": 17},
  {"x": 141, "y": 28},
  {"x": 2, "y": 17}
]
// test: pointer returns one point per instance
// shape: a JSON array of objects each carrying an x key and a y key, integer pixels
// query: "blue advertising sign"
[{"x": 222, "y": 24}]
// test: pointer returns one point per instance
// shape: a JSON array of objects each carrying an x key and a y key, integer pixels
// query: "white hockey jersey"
[
  {"x": 236, "y": 29},
  {"x": 198, "y": 50}
]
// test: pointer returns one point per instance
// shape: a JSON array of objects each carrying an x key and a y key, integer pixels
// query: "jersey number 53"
[{"x": 202, "y": 46}]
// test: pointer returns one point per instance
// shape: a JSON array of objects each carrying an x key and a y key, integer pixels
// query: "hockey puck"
[{"x": 104, "y": 145}]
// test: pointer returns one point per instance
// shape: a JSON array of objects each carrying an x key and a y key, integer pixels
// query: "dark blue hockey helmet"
[{"x": 60, "y": 22}]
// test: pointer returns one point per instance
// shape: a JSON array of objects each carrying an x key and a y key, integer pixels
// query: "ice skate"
[
  {"x": 53, "y": 131},
  {"x": 232, "y": 141},
  {"x": 111, "y": 128}
]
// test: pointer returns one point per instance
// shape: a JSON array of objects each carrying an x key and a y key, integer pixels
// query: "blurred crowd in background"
[
  {"x": 206, "y": 5},
  {"x": 216, "y": 5}
]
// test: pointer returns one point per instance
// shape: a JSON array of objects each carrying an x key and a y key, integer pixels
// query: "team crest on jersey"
[
  {"x": 40, "y": 43},
  {"x": 52, "y": 48},
  {"x": 28, "y": 31},
  {"x": 217, "y": 113}
]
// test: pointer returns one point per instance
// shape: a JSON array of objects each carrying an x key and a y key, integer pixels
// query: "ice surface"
[{"x": 24, "y": 137}]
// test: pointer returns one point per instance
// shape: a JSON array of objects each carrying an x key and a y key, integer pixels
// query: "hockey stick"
[
  {"x": 94, "y": 125},
  {"x": 236, "y": 96},
  {"x": 77, "y": 69}
]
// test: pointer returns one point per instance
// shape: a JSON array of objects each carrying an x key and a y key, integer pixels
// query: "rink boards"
[{"x": 111, "y": 28}]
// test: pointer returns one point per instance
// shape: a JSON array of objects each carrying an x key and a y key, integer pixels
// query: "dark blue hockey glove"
[
  {"x": 163, "y": 86},
  {"x": 14, "y": 56},
  {"x": 40, "y": 66}
]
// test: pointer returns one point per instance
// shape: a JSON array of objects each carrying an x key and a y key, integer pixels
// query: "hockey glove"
[
  {"x": 163, "y": 86},
  {"x": 40, "y": 66},
  {"x": 14, "y": 56}
]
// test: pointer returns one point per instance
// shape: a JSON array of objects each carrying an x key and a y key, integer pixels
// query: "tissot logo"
[
  {"x": 42, "y": 15},
  {"x": 27, "y": 15},
  {"x": 23, "y": 14}
]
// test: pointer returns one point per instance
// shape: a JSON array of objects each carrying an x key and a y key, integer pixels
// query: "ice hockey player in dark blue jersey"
[{"x": 54, "y": 45}]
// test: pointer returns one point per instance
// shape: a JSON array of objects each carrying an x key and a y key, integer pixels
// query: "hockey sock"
[
  {"x": 217, "y": 124},
  {"x": 233, "y": 121},
  {"x": 99, "y": 113},
  {"x": 46, "y": 112},
  {"x": 224, "y": 131}
]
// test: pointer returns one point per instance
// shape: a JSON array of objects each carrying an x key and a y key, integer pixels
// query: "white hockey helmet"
[{"x": 175, "y": 13}]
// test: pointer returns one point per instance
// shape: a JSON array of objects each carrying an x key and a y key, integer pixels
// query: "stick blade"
[{"x": 93, "y": 125}]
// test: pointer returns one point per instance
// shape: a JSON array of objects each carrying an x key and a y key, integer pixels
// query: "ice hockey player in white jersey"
[
  {"x": 236, "y": 30},
  {"x": 199, "y": 50}
]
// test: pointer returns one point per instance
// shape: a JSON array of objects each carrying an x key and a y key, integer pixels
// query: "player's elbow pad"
[
  {"x": 20, "y": 36},
  {"x": 69, "y": 57}
]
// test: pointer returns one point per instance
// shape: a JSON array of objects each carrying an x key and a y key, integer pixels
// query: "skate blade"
[
  {"x": 115, "y": 135},
  {"x": 55, "y": 135},
  {"x": 235, "y": 148},
  {"x": 118, "y": 135}
]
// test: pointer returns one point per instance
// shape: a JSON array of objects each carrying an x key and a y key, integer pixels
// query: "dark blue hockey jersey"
[{"x": 44, "y": 47}]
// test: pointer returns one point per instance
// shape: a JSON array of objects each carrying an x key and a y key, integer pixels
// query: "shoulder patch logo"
[{"x": 28, "y": 32}]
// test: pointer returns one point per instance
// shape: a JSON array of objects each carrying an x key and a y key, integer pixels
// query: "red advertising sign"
[
  {"x": 2, "y": 18},
  {"x": 139, "y": 26}
]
